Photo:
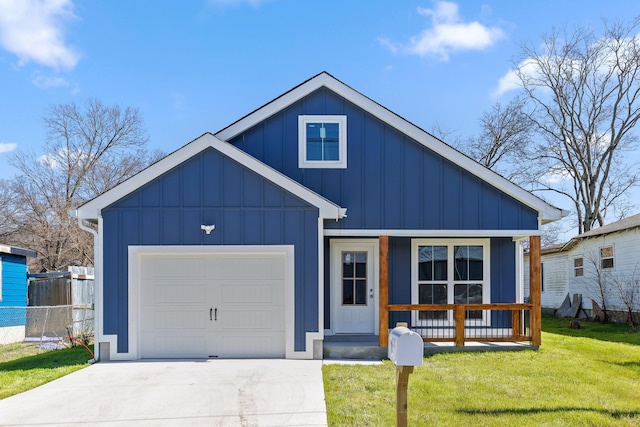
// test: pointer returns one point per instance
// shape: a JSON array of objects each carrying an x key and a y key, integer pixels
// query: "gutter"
[{"x": 73, "y": 213}]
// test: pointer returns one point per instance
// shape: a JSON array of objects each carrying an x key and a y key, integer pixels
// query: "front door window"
[{"x": 354, "y": 278}]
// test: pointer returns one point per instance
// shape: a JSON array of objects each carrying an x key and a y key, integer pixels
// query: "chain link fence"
[{"x": 47, "y": 326}]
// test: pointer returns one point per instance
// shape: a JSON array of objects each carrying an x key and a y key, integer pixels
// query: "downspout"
[{"x": 97, "y": 283}]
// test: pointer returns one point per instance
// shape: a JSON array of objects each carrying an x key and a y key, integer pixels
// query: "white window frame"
[
  {"x": 612, "y": 257},
  {"x": 486, "y": 278},
  {"x": 576, "y": 268},
  {"x": 303, "y": 163}
]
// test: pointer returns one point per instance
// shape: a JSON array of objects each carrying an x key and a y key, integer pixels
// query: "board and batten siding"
[
  {"x": 210, "y": 188},
  {"x": 391, "y": 181},
  {"x": 626, "y": 247}
]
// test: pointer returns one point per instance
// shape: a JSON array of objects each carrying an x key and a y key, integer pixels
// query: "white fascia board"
[
  {"x": 547, "y": 212},
  {"x": 91, "y": 209},
  {"x": 516, "y": 234}
]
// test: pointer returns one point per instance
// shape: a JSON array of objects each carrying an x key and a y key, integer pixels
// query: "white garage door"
[{"x": 212, "y": 305}]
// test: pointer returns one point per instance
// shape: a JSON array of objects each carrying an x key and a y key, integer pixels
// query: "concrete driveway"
[{"x": 177, "y": 393}]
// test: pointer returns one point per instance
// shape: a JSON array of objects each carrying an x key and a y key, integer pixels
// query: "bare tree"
[
  {"x": 89, "y": 149},
  {"x": 584, "y": 94},
  {"x": 599, "y": 284},
  {"x": 7, "y": 206},
  {"x": 505, "y": 133},
  {"x": 627, "y": 288}
]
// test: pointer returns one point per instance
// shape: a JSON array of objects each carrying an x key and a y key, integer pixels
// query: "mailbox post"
[{"x": 405, "y": 350}]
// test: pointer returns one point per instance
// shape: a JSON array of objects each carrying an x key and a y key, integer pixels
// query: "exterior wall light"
[{"x": 207, "y": 228}]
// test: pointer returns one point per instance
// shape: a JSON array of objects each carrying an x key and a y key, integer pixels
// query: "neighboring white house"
[
  {"x": 611, "y": 251},
  {"x": 553, "y": 276}
]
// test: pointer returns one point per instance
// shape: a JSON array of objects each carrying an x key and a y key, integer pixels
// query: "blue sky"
[{"x": 198, "y": 65}]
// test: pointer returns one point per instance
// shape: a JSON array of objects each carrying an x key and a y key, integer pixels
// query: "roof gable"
[
  {"x": 546, "y": 212},
  {"x": 626, "y": 224},
  {"x": 91, "y": 209}
]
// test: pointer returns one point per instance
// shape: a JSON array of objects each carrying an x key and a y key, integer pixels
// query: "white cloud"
[
  {"x": 49, "y": 82},
  {"x": 510, "y": 80},
  {"x": 49, "y": 160},
  {"x": 506, "y": 83},
  {"x": 33, "y": 31},
  {"x": 7, "y": 147},
  {"x": 447, "y": 33}
]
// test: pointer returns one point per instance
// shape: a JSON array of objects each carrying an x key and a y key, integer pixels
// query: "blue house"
[
  {"x": 13, "y": 293},
  {"x": 320, "y": 214}
]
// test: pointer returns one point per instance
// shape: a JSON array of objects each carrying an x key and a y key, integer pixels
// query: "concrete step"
[{"x": 354, "y": 350}]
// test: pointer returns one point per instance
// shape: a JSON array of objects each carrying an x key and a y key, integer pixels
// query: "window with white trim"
[
  {"x": 606, "y": 257},
  {"x": 578, "y": 267},
  {"x": 451, "y": 271},
  {"x": 322, "y": 141}
]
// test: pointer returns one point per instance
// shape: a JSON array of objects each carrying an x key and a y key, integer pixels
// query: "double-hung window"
[
  {"x": 606, "y": 257},
  {"x": 578, "y": 267},
  {"x": 322, "y": 141},
  {"x": 451, "y": 271}
]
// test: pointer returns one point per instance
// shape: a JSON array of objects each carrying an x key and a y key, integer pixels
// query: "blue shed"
[
  {"x": 319, "y": 214},
  {"x": 13, "y": 293}
]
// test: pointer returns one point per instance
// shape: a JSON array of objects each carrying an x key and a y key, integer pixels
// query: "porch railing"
[{"x": 460, "y": 323}]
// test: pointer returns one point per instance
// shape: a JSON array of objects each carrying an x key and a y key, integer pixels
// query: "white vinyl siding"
[{"x": 555, "y": 279}]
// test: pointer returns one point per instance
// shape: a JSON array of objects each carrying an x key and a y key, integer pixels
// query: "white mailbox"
[{"x": 405, "y": 347}]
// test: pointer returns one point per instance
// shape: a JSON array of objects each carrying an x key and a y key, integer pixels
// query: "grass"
[
  {"x": 23, "y": 366},
  {"x": 584, "y": 377}
]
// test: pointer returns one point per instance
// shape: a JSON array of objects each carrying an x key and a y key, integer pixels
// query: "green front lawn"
[
  {"x": 584, "y": 377},
  {"x": 23, "y": 367}
]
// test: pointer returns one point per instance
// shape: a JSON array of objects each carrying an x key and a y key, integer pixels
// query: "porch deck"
[{"x": 365, "y": 347}]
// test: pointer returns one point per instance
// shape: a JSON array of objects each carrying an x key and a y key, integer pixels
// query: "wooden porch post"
[
  {"x": 383, "y": 330},
  {"x": 534, "y": 290},
  {"x": 459, "y": 314}
]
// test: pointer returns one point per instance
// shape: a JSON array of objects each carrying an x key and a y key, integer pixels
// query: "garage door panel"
[
  {"x": 251, "y": 267},
  {"x": 173, "y": 266},
  {"x": 237, "y": 320},
  {"x": 265, "y": 293},
  {"x": 186, "y": 318},
  {"x": 252, "y": 346},
  {"x": 179, "y": 293},
  {"x": 173, "y": 290},
  {"x": 182, "y": 319},
  {"x": 175, "y": 345}
]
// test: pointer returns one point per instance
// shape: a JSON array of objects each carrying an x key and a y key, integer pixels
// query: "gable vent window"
[{"x": 322, "y": 142}]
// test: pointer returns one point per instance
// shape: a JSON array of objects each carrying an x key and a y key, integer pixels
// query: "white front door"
[{"x": 354, "y": 286}]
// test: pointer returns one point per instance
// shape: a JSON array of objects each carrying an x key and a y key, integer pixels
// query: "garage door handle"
[
  {"x": 216, "y": 314},
  {"x": 210, "y": 314}
]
